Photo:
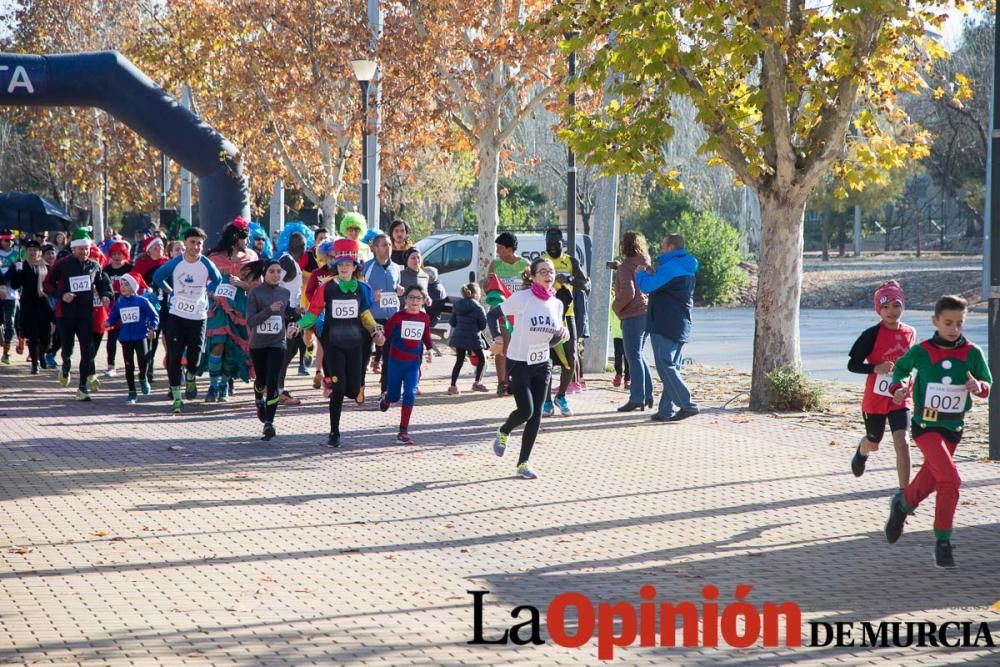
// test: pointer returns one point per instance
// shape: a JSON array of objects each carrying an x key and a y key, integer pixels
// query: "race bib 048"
[
  {"x": 129, "y": 315},
  {"x": 412, "y": 330},
  {"x": 80, "y": 283},
  {"x": 271, "y": 325},
  {"x": 345, "y": 310}
]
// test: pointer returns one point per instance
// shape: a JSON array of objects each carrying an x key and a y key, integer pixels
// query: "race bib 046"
[
  {"x": 129, "y": 315},
  {"x": 80, "y": 283},
  {"x": 412, "y": 330},
  {"x": 271, "y": 325},
  {"x": 538, "y": 354},
  {"x": 345, "y": 310}
]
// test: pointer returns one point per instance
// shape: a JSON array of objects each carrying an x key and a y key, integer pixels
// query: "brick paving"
[{"x": 115, "y": 549}]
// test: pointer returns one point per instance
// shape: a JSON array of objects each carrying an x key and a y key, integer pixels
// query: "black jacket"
[{"x": 57, "y": 283}]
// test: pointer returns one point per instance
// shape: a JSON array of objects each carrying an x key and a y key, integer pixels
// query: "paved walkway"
[{"x": 116, "y": 547}]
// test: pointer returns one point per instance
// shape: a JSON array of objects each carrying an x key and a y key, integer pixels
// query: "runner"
[
  {"x": 569, "y": 276},
  {"x": 36, "y": 312},
  {"x": 49, "y": 258},
  {"x": 118, "y": 252},
  {"x": 226, "y": 339},
  {"x": 188, "y": 278},
  {"x": 99, "y": 318},
  {"x": 413, "y": 272},
  {"x": 150, "y": 259},
  {"x": 269, "y": 307},
  {"x": 9, "y": 258},
  {"x": 138, "y": 322},
  {"x": 508, "y": 268},
  {"x": 467, "y": 323},
  {"x": 949, "y": 368},
  {"x": 540, "y": 322},
  {"x": 320, "y": 276},
  {"x": 382, "y": 276},
  {"x": 72, "y": 281},
  {"x": 874, "y": 354},
  {"x": 347, "y": 304},
  {"x": 291, "y": 246},
  {"x": 408, "y": 336},
  {"x": 399, "y": 235}
]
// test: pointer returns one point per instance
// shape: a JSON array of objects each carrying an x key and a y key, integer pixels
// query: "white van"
[{"x": 456, "y": 256}]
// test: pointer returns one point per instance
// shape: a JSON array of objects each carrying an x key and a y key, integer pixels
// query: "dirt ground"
[{"x": 850, "y": 282}]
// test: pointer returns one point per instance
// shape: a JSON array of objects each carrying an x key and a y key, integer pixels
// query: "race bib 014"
[{"x": 271, "y": 325}]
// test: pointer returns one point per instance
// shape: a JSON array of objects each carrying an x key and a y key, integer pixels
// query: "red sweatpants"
[{"x": 937, "y": 474}]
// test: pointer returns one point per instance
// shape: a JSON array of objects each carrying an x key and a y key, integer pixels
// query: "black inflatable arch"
[{"x": 108, "y": 81}]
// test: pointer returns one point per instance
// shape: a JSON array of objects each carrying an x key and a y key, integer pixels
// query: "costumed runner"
[{"x": 295, "y": 238}]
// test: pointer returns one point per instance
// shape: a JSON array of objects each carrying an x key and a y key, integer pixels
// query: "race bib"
[
  {"x": 882, "y": 383},
  {"x": 344, "y": 310},
  {"x": 129, "y": 315},
  {"x": 538, "y": 354},
  {"x": 80, "y": 283},
  {"x": 271, "y": 325},
  {"x": 412, "y": 330},
  {"x": 226, "y": 291},
  {"x": 181, "y": 306},
  {"x": 940, "y": 397},
  {"x": 389, "y": 301},
  {"x": 97, "y": 301}
]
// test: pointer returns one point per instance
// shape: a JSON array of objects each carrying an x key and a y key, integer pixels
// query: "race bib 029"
[
  {"x": 181, "y": 306},
  {"x": 272, "y": 325},
  {"x": 345, "y": 310},
  {"x": 80, "y": 283}
]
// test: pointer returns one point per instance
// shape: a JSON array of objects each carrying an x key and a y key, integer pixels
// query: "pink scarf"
[{"x": 542, "y": 293}]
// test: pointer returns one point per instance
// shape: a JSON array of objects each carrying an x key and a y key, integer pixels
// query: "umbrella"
[{"x": 27, "y": 212}]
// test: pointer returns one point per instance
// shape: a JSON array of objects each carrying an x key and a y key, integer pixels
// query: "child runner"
[
  {"x": 874, "y": 354},
  {"x": 508, "y": 269},
  {"x": 408, "y": 336},
  {"x": 118, "y": 266},
  {"x": 468, "y": 321},
  {"x": 621, "y": 363},
  {"x": 539, "y": 322},
  {"x": 188, "y": 278},
  {"x": 949, "y": 368},
  {"x": 349, "y": 323},
  {"x": 138, "y": 321},
  {"x": 269, "y": 307},
  {"x": 149, "y": 259}
]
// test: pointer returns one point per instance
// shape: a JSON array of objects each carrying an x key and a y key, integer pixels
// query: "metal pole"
[
  {"x": 993, "y": 194},
  {"x": 364, "y": 153},
  {"x": 372, "y": 212},
  {"x": 571, "y": 174},
  {"x": 185, "y": 174}
]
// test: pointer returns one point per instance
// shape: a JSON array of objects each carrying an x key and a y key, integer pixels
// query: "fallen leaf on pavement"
[
  {"x": 21, "y": 550},
  {"x": 100, "y": 533}
]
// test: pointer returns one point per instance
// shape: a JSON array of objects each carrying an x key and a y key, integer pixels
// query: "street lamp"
[{"x": 364, "y": 72}]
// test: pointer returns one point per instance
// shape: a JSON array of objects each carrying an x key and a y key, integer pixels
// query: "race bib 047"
[{"x": 80, "y": 283}]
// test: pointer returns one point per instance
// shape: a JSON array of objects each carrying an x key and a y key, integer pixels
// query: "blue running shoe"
[
  {"x": 563, "y": 406},
  {"x": 548, "y": 409}
]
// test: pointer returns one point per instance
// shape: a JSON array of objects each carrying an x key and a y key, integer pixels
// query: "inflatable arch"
[{"x": 108, "y": 81}]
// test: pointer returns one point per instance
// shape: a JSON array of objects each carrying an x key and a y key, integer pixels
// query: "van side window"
[{"x": 452, "y": 256}]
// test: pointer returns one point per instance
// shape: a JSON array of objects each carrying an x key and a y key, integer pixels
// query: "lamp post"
[
  {"x": 364, "y": 72},
  {"x": 571, "y": 165}
]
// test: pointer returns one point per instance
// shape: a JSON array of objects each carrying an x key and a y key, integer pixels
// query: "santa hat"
[
  {"x": 345, "y": 250},
  {"x": 6, "y": 235},
  {"x": 81, "y": 238},
  {"x": 132, "y": 282},
  {"x": 119, "y": 246},
  {"x": 887, "y": 293},
  {"x": 149, "y": 243}
]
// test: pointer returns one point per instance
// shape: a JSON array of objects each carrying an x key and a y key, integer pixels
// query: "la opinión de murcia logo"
[{"x": 738, "y": 624}]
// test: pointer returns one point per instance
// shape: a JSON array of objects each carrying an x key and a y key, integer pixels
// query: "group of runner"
[{"x": 234, "y": 315}]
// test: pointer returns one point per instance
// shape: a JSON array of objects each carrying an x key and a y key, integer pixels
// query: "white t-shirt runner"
[
  {"x": 190, "y": 298},
  {"x": 535, "y": 323}
]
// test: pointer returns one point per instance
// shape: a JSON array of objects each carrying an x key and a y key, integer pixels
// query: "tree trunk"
[
  {"x": 842, "y": 235},
  {"x": 329, "y": 207},
  {"x": 779, "y": 286},
  {"x": 824, "y": 230},
  {"x": 487, "y": 203},
  {"x": 585, "y": 214}
]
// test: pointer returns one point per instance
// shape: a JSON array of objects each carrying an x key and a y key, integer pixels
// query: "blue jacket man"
[{"x": 668, "y": 320}]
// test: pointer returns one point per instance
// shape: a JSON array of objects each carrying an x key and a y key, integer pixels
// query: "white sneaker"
[{"x": 111, "y": 372}]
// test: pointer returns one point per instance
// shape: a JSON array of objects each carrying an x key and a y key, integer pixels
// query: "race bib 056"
[{"x": 413, "y": 330}]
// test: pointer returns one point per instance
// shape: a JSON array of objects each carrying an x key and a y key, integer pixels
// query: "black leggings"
[
  {"x": 621, "y": 363},
  {"x": 295, "y": 345},
  {"x": 343, "y": 366},
  {"x": 77, "y": 329},
  {"x": 475, "y": 357},
  {"x": 268, "y": 363},
  {"x": 185, "y": 338},
  {"x": 133, "y": 351},
  {"x": 529, "y": 385},
  {"x": 112, "y": 346}
]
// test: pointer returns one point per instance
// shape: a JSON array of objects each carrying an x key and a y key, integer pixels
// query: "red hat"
[
  {"x": 149, "y": 243},
  {"x": 6, "y": 235},
  {"x": 887, "y": 293},
  {"x": 118, "y": 246},
  {"x": 345, "y": 250}
]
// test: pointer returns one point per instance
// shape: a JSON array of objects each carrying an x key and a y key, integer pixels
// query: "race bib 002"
[
  {"x": 412, "y": 330},
  {"x": 389, "y": 301},
  {"x": 129, "y": 315},
  {"x": 80, "y": 283},
  {"x": 538, "y": 354},
  {"x": 941, "y": 397},
  {"x": 271, "y": 325},
  {"x": 226, "y": 291},
  {"x": 882, "y": 383},
  {"x": 345, "y": 310}
]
